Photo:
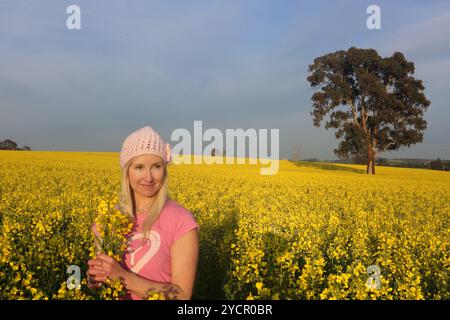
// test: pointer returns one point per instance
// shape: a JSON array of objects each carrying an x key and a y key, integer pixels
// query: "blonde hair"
[{"x": 127, "y": 205}]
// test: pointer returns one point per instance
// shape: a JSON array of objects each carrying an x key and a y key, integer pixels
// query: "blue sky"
[{"x": 231, "y": 64}]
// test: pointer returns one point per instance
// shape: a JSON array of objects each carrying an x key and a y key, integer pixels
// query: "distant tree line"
[
  {"x": 11, "y": 145},
  {"x": 437, "y": 164}
]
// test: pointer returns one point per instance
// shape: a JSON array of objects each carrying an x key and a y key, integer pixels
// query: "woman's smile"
[{"x": 148, "y": 185}]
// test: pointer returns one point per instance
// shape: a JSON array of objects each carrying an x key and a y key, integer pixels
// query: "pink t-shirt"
[{"x": 151, "y": 258}]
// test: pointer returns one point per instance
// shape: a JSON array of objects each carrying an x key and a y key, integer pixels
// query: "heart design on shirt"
[{"x": 155, "y": 243}]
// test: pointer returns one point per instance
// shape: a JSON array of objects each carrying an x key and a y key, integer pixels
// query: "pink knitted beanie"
[{"x": 144, "y": 141}]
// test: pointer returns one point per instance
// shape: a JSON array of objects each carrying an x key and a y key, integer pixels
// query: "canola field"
[{"x": 312, "y": 231}]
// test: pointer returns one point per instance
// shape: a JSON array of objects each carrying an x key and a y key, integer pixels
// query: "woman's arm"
[{"x": 184, "y": 256}]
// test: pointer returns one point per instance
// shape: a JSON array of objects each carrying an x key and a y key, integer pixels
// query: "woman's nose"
[{"x": 148, "y": 175}]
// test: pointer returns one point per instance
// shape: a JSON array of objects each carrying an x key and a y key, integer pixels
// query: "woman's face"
[{"x": 146, "y": 174}]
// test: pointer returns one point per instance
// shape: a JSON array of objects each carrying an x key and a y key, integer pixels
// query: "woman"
[{"x": 163, "y": 244}]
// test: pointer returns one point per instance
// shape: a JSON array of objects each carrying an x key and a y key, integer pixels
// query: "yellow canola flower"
[{"x": 309, "y": 232}]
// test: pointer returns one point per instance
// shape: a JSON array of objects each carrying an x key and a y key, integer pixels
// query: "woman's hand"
[
  {"x": 110, "y": 266},
  {"x": 103, "y": 267},
  {"x": 96, "y": 275}
]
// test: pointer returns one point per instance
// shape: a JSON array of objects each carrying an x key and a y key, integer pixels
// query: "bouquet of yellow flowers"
[{"x": 112, "y": 226}]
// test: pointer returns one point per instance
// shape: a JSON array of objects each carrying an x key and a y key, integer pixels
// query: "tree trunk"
[
  {"x": 370, "y": 160},
  {"x": 371, "y": 166}
]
